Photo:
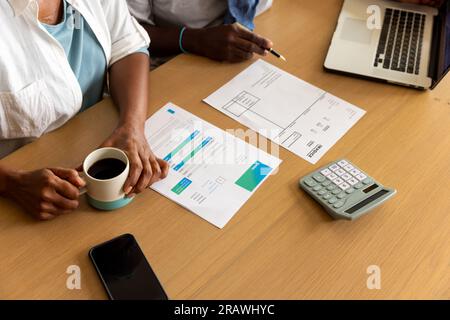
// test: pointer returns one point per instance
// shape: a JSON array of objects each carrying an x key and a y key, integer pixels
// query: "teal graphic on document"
[
  {"x": 253, "y": 176},
  {"x": 181, "y": 186}
]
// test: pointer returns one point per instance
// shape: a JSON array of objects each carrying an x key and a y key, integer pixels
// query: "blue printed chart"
[{"x": 212, "y": 172}]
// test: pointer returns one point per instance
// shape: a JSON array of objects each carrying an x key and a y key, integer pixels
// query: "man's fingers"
[
  {"x": 164, "y": 165},
  {"x": 67, "y": 190},
  {"x": 48, "y": 211},
  {"x": 45, "y": 216},
  {"x": 146, "y": 176},
  {"x": 70, "y": 175},
  {"x": 135, "y": 173},
  {"x": 156, "y": 171},
  {"x": 63, "y": 203}
]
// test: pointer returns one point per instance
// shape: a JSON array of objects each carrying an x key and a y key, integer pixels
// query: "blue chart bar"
[
  {"x": 192, "y": 154},
  {"x": 182, "y": 145}
]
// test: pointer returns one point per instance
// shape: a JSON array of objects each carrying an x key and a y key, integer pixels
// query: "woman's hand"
[
  {"x": 231, "y": 43},
  {"x": 145, "y": 167},
  {"x": 45, "y": 193}
]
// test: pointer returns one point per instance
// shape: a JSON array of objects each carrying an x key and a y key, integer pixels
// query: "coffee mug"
[{"x": 105, "y": 192}]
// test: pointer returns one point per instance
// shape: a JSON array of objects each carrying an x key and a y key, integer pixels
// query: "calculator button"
[
  {"x": 338, "y": 181},
  {"x": 346, "y": 176},
  {"x": 334, "y": 167},
  {"x": 332, "y": 200},
  {"x": 342, "y": 195},
  {"x": 350, "y": 190},
  {"x": 355, "y": 172},
  {"x": 340, "y": 172},
  {"x": 359, "y": 185},
  {"x": 368, "y": 181},
  {"x": 352, "y": 181},
  {"x": 338, "y": 204},
  {"x": 332, "y": 176},
  {"x": 317, "y": 188},
  {"x": 344, "y": 186},
  {"x": 326, "y": 183},
  {"x": 336, "y": 192},
  {"x": 310, "y": 182},
  {"x": 325, "y": 172},
  {"x": 361, "y": 176},
  {"x": 342, "y": 163},
  {"x": 331, "y": 187},
  {"x": 327, "y": 196},
  {"x": 322, "y": 192},
  {"x": 319, "y": 178},
  {"x": 349, "y": 167}
]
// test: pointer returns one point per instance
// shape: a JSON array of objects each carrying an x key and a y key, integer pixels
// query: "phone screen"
[{"x": 124, "y": 270}]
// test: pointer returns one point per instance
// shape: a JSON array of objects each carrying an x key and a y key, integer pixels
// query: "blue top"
[
  {"x": 84, "y": 53},
  {"x": 242, "y": 11}
]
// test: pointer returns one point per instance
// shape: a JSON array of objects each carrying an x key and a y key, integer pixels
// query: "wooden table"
[{"x": 281, "y": 244}]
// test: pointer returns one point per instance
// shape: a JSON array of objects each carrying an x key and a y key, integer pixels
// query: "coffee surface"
[{"x": 106, "y": 169}]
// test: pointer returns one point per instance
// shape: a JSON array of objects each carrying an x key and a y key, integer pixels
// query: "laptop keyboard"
[{"x": 400, "y": 45}]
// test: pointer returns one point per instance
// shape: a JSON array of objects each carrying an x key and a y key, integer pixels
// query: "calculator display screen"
[
  {"x": 371, "y": 188},
  {"x": 367, "y": 201}
]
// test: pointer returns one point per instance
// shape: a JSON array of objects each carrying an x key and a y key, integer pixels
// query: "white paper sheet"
[
  {"x": 291, "y": 112},
  {"x": 212, "y": 173}
]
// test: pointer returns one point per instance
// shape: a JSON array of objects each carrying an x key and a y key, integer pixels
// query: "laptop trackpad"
[{"x": 356, "y": 30}]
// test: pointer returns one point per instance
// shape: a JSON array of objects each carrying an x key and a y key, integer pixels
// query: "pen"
[{"x": 276, "y": 54}]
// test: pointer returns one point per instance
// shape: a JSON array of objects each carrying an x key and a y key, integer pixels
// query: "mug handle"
[{"x": 83, "y": 190}]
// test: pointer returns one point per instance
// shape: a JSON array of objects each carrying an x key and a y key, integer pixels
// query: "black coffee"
[{"x": 106, "y": 169}]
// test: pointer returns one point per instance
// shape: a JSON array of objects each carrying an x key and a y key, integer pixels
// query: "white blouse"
[
  {"x": 38, "y": 89},
  {"x": 189, "y": 13}
]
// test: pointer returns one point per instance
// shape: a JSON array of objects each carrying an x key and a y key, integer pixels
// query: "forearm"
[
  {"x": 165, "y": 41},
  {"x": 129, "y": 89},
  {"x": 6, "y": 176}
]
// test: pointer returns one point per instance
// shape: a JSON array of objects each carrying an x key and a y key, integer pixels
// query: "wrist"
[
  {"x": 131, "y": 127},
  {"x": 8, "y": 178},
  {"x": 191, "y": 40}
]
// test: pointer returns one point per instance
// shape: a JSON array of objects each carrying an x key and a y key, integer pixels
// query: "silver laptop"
[{"x": 411, "y": 45}]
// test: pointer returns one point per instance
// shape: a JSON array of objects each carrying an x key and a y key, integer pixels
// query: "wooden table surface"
[{"x": 281, "y": 244}]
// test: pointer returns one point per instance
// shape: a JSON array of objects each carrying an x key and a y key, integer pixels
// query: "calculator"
[{"x": 344, "y": 190}]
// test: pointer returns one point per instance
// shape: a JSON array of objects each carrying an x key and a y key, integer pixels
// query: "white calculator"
[{"x": 344, "y": 190}]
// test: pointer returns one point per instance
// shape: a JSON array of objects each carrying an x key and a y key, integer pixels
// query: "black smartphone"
[{"x": 124, "y": 270}]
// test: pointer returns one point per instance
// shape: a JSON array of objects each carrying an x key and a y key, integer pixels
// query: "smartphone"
[{"x": 124, "y": 270}]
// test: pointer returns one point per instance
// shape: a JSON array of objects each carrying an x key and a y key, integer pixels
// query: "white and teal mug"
[{"x": 106, "y": 192}]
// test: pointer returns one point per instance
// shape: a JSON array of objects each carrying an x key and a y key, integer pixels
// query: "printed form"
[
  {"x": 287, "y": 110},
  {"x": 212, "y": 173}
]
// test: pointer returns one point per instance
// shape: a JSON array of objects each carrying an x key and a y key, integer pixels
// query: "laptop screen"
[{"x": 444, "y": 63}]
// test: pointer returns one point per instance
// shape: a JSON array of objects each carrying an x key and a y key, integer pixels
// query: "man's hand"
[
  {"x": 231, "y": 43},
  {"x": 45, "y": 193},
  {"x": 145, "y": 167}
]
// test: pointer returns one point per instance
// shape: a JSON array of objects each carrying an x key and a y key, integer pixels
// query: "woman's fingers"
[
  {"x": 249, "y": 46},
  {"x": 254, "y": 38}
]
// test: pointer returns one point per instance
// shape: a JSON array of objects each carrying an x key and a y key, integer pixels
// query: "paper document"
[
  {"x": 291, "y": 112},
  {"x": 212, "y": 173}
]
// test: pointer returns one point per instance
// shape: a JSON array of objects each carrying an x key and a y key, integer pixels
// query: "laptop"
[{"x": 410, "y": 46}]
